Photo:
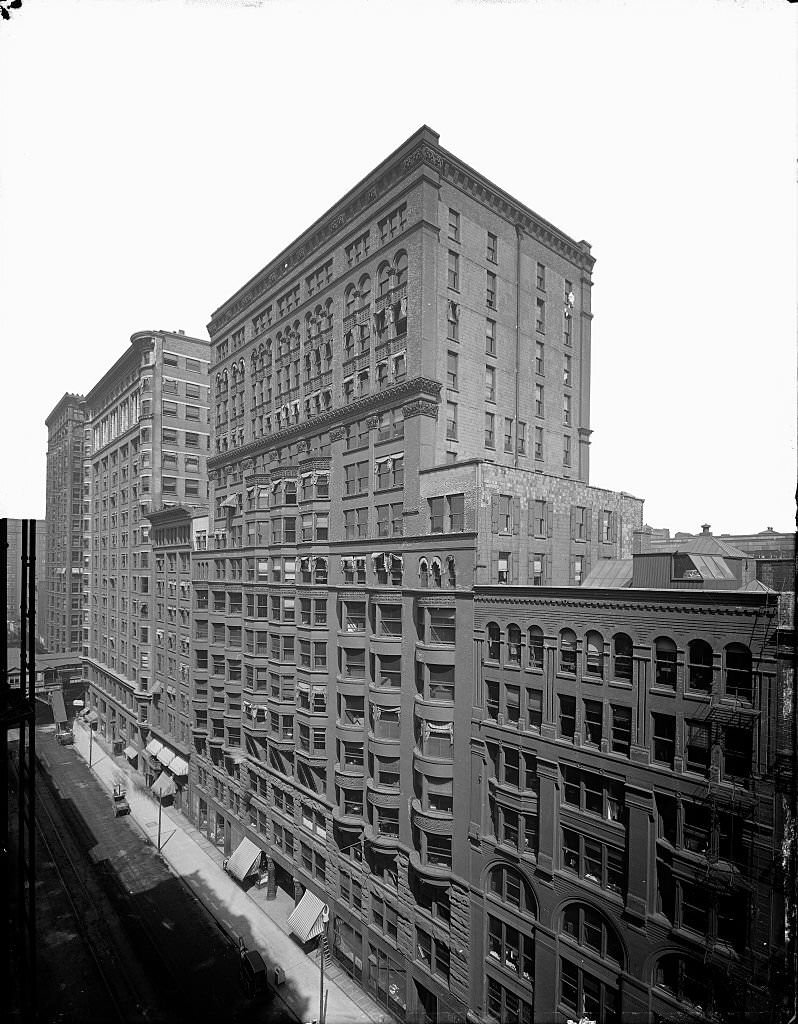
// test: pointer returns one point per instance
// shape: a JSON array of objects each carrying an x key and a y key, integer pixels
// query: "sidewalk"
[{"x": 260, "y": 922}]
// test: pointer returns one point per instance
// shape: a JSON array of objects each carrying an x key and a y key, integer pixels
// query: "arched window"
[
  {"x": 684, "y": 978},
  {"x": 594, "y": 661},
  {"x": 739, "y": 678},
  {"x": 699, "y": 673},
  {"x": 568, "y": 651},
  {"x": 622, "y": 657},
  {"x": 423, "y": 572},
  {"x": 494, "y": 642},
  {"x": 514, "y": 644},
  {"x": 364, "y": 288},
  {"x": 383, "y": 280},
  {"x": 350, "y": 297},
  {"x": 436, "y": 570},
  {"x": 588, "y": 928},
  {"x": 535, "y": 647},
  {"x": 665, "y": 662},
  {"x": 507, "y": 884},
  {"x": 400, "y": 265}
]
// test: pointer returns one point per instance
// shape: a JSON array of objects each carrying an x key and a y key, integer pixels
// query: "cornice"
[
  {"x": 674, "y": 602},
  {"x": 415, "y": 386},
  {"x": 425, "y": 154}
]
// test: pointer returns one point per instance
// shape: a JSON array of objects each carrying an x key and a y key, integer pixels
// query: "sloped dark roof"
[{"x": 610, "y": 572}]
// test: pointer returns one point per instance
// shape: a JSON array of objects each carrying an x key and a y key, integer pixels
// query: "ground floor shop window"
[{"x": 388, "y": 982}]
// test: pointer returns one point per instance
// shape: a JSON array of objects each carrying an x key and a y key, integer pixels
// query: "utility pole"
[
  {"x": 91, "y": 741},
  {"x": 325, "y": 917}
]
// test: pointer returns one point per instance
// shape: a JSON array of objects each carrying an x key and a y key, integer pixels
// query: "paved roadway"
[{"x": 120, "y": 937}]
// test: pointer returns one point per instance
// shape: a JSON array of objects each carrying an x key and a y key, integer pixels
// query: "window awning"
[
  {"x": 245, "y": 859},
  {"x": 59, "y": 711},
  {"x": 154, "y": 747},
  {"x": 91, "y": 717},
  {"x": 178, "y": 766},
  {"x": 230, "y": 502},
  {"x": 130, "y": 752},
  {"x": 166, "y": 756},
  {"x": 306, "y": 919},
  {"x": 163, "y": 786}
]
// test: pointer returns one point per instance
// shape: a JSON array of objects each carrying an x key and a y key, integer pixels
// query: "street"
[{"x": 121, "y": 937}]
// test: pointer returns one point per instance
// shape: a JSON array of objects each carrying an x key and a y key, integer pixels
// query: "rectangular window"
[
  {"x": 436, "y": 512},
  {"x": 451, "y": 370},
  {"x": 521, "y": 438},
  {"x": 593, "y": 722},
  {"x": 490, "y": 290},
  {"x": 452, "y": 321},
  {"x": 540, "y": 316},
  {"x": 454, "y": 271},
  {"x": 539, "y": 443},
  {"x": 664, "y": 737},
  {"x": 451, "y": 421},
  {"x": 539, "y": 404},
  {"x": 540, "y": 277},
  {"x": 454, "y": 225},
  {"x": 490, "y": 337},
  {"x": 492, "y": 254},
  {"x": 567, "y": 717},
  {"x": 490, "y": 430},
  {"x": 566, "y": 370},
  {"x": 621, "y": 729},
  {"x": 566, "y": 410},
  {"x": 508, "y": 434},
  {"x": 697, "y": 747},
  {"x": 566, "y": 450},
  {"x": 490, "y": 383},
  {"x": 456, "y": 512}
]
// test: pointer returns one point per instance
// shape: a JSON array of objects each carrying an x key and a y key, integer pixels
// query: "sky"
[{"x": 155, "y": 154}]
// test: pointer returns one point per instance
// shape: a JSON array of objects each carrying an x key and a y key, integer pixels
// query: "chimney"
[
  {"x": 705, "y": 530},
  {"x": 641, "y": 540}
]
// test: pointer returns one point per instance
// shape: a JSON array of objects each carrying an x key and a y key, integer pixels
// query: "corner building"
[
  {"x": 148, "y": 429},
  {"x": 629, "y": 804},
  {"x": 400, "y": 412}
]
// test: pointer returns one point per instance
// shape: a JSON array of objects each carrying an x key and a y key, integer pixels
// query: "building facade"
[
  {"x": 148, "y": 428},
  {"x": 169, "y": 743},
  {"x": 64, "y": 566},
  {"x": 14, "y": 573},
  {"x": 401, "y": 408},
  {"x": 626, "y": 810}
]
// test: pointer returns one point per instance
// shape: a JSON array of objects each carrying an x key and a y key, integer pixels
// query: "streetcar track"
[{"x": 83, "y": 920}]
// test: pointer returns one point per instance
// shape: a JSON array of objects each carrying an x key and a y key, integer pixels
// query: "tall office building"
[
  {"x": 63, "y": 568},
  {"x": 401, "y": 413},
  {"x": 148, "y": 436}
]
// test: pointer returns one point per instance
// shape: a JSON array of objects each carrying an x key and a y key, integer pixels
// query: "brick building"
[
  {"x": 401, "y": 407},
  {"x": 626, "y": 817},
  {"x": 64, "y": 566},
  {"x": 148, "y": 429}
]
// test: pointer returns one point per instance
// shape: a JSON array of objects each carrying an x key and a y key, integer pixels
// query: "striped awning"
[
  {"x": 245, "y": 859},
  {"x": 154, "y": 747},
  {"x": 163, "y": 786},
  {"x": 166, "y": 756},
  {"x": 178, "y": 766},
  {"x": 307, "y": 918},
  {"x": 130, "y": 752}
]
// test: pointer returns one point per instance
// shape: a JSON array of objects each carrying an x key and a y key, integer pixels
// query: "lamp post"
[
  {"x": 91, "y": 742},
  {"x": 325, "y": 917}
]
